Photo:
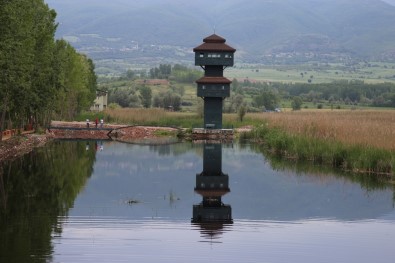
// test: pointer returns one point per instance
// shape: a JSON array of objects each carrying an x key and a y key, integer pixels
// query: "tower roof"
[
  {"x": 214, "y": 43},
  {"x": 214, "y": 39}
]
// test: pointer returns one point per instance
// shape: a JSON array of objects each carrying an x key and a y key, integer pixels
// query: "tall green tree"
[
  {"x": 75, "y": 81},
  {"x": 38, "y": 75},
  {"x": 145, "y": 96},
  {"x": 16, "y": 57},
  {"x": 267, "y": 99},
  {"x": 43, "y": 78},
  {"x": 296, "y": 103}
]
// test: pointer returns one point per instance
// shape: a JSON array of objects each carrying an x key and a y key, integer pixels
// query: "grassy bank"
[
  {"x": 355, "y": 158},
  {"x": 375, "y": 128},
  {"x": 361, "y": 141}
]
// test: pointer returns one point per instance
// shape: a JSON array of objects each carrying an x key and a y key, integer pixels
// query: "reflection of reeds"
[{"x": 362, "y": 141}]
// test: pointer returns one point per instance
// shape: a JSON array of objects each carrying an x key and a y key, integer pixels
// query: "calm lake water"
[{"x": 113, "y": 202}]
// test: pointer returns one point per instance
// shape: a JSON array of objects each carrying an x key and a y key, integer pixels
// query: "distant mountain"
[
  {"x": 256, "y": 28},
  {"x": 391, "y": 2}
]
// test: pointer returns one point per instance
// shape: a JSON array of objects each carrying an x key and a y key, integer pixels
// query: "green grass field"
[{"x": 369, "y": 73}]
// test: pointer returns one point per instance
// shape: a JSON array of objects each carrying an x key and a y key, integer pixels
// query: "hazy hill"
[
  {"x": 362, "y": 28},
  {"x": 392, "y": 2}
]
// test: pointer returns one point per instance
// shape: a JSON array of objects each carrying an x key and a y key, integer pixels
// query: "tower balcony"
[
  {"x": 213, "y": 87},
  {"x": 211, "y": 58}
]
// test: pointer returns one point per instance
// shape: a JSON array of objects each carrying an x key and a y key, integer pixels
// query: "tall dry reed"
[
  {"x": 152, "y": 116},
  {"x": 375, "y": 128}
]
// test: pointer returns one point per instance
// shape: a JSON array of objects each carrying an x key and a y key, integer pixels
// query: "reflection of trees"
[{"x": 34, "y": 191}]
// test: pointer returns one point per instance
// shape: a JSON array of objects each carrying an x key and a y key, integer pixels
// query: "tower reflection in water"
[{"x": 212, "y": 184}]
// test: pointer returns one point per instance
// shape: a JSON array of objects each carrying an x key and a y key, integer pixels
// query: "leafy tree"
[
  {"x": 185, "y": 75},
  {"x": 267, "y": 99},
  {"x": 167, "y": 100},
  {"x": 16, "y": 58},
  {"x": 39, "y": 76},
  {"x": 297, "y": 103},
  {"x": 233, "y": 103},
  {"x": 161, "y": 72},
  {"x": 241, "y": 112},
  {"x": 130, "y": 74},
  {"x": 42, "y": 75},
  {"x": 75, "y": 81},
  {"x": 124, "y": 97},
  {"x": 145, "y": 96},
  {"x": 235, "y": 85}
]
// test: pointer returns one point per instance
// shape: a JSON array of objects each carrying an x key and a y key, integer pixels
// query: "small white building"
[{"x": 101, "y": 100}]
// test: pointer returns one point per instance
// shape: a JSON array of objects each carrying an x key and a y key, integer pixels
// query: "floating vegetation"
[{"x": 132, "y": 201}]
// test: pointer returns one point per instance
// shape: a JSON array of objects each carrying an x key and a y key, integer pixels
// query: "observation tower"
[{"x": 214, "y": 55}]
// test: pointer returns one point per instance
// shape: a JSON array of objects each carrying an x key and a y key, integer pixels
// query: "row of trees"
[
  {"x": 136, "y": 97},
  {"x": 268, "y": 95},
  {"x": 257, "y": 96},
  {"x": 40, "y": 77},
  {"x": 178, "y": 73}
]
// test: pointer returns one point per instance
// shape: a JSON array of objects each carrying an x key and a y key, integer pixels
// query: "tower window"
[
  {"x": 214, "y": 55},
  {"x": 201, "y": 55}
]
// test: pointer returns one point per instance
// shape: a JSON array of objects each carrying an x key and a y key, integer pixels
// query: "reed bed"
[
  {"x": 154, "y": 117},
  {"x": 375, "y": 128},
  {"x": 160, "y": 117},
  {"x": 358, "y": 141}
]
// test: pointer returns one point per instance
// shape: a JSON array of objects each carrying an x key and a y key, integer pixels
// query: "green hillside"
[{"x": 359, "y": 28}]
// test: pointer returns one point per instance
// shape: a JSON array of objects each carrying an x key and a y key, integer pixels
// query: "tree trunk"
[
  {"x": 3, "y": 197},
  {"x": 2, "y": 118}
]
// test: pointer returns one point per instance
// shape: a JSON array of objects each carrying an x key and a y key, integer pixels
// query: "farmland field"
[{"x": 369, "y": 73}]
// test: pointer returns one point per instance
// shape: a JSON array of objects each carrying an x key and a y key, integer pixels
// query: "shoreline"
[
  {"x": 373, "y": 162},
  {"x": 358, "y": 159},
  {"x": 19, "y": 145}
]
